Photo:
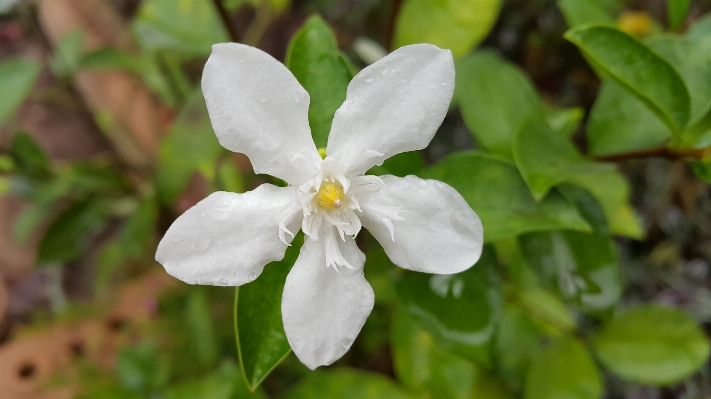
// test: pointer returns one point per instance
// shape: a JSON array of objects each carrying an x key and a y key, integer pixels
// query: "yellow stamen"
[
  {"x": 322, "y": 152},
  {"x": 330, "y": 195}
]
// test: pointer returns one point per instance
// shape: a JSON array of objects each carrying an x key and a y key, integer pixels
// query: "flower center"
[{"x": 329, "y": 195}]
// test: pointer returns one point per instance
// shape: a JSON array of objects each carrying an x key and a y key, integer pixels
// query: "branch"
[{"x": 662, "y": 152}]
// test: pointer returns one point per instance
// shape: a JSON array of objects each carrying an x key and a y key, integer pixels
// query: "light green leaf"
[
  {"x": 701, "y": 28},
  {"x": 346, "y": 384},
  {"x": 587, "y": 205},
  {"x": 564, "y": 120},
  {"x": 496, "y": 192},
  {"x": 28, "y": 220},
  {"x": 581, "y": 12},
  {"x": 189, "y": 27},
  {"x": 67, "y": 54},
  {"x": 138, "y": 231},
  {"x": 495, "y": 98},
  {"x": 199, "y": 323},
  {"x": 583, "y": 269},
  {"x": 18, "y": 76},
  {"x": 453, "y": 24},
  {"x": 652, "y": 345},
  {"x": 142, "y": 368},
  {"x": 563, "y": 369},
  {"x": 546, "y": 158},
  {"x": 460, "y": 310},
  {"x": 313, "y": 57},
  {"x": 259, "y": 331},
  {"x": 424, "y": 367},
  {"x": 637, "y": 69},
  {"x": 190, "y": 145},
  {"x": 113, "y": 58},
  {"x": 677, "y": 10},
  {"x": 224, "y": 383},
  {"x": 547, "y": 309}
]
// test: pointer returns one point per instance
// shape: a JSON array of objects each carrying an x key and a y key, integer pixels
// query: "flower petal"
[
  {"x": 324, "y": 309},
  {"x": 257, "y": 107},
  {"x": 227, "y": 238},
  {"x": 438, "y": 231},
  {"x": 393, "y": 106}
]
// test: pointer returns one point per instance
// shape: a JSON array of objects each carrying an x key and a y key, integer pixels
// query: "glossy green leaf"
[
  {"x": 677, "y": 10},
  {"x": 142, "y": 368},
  {"x": 189, "y": 146},
  {"x": 137, "y": 234},
  {"x": 564, "y": 121},
  {"x": 424, "y": 367},
  {"x": 496, "y": 192},
  {"x": 171, "y": 25},
  {"x": 581, "y": 12},
  {"x": 69, "y": 234},
  {"x": 546, "y": 158},
  {"x": 583, "y": 269},
  {"x": 495, "y": 98},
  {"x": 453, "y": 24},
  {"x": 587, "y": 205},
  {"x": 547, "y": 309},
  {"x": 563, "y": 369},
  {"x": 517, "y": 338},
  {"x": 612, "y": 191},
  {"x": 346, "y": 384},
  {"x": 28, "y": 156},
  {"x": 620, "y": 123},
  {"x": 460, "y": 310},
  {"x": 259, "y": 331},
  {"x": 313, "y": 57},
  {"x": 637, "y": 69},
  {"x": 652, "y": 345},
  {"x": 18, "y": 76}
]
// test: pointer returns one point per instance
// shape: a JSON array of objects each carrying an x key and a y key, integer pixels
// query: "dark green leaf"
[
  {"x": 137, "y": 234},
  {"x": 563, "y": 369},
  {"x": 69, "y": 235},
  {"x": 581, "y": 12},
  {"x": 581, "y": 268},
  {"x": 403, "y": 164},
  {"x": 587, "y": 206},
  {"x": 652, "y": 345},
  {"x": 188, "y": 27},
  {"x": 259, "y": 330},
  {"x": 453, "y": 24},
  {"x": 189, "y": 146},
  {"x": 677, "y": 10},
  {"x": 495, "y": 98},
  {"x": 28, "y": 156},
  {"x": 517, "y": 338},
  {"x": 546, "y": 158},
  {"x": 637, "y": 69},
  {"x": 346, "y": 384},
  {"x": 496, "y": 192},
  {"x": 460, "y": 310},
  {"x": 424, "y": 367},
  {"x": 224, "y": 383},
  {"x": 18, "y": 76},
  {"x": 313, "y": 57},
  {"x": 702, "y": 170},
  {"x": 142, "y": 368}
]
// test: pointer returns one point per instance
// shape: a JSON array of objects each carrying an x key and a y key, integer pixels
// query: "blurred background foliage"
[{"x": 579, "y": 132}]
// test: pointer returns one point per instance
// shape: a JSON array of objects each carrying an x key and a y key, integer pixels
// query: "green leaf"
[
  {"x": 110, "y": 257},
  {"x": 453, "y": 24},
  {"x": 28, "y": 156},
  {"x": 583, "y": 269},
  {"x": 224, "y": 383},
  {"x": 677, "y": 10},
  {"x": 702, "y": 170},
  {"x": 460, "y": 310},
  {"x": 68, "y": 54},
  {"x": 495, "y": 98},
  {"x": 313, "y": 57},
  {"x": 199, "y": 323},
  {"x": 259, "y": 331},
  {"x": 546, "y": 158},
  {"x": 402, "y": 164},
  {"x": 587, "y": 205},
  {"x": 547, "y": 309},
  {"x": 637, "y": 69},
  {"x": 564, "y": 121},
  {"x": 142, "y": 368},
  {"x": 28, "y": 220},
  {"x": 563, "y": 369},
  {"x": 189, "y": 27},
  {"x": 137, "y": 234},
  {"x": 346, "y": 384},
  {"x": 190, "y": 145},
  {"x": 18, "y": 76},
  {"x": 69, "y": 235},
  {"x": 517, "y": 338},
  {"x": 424, "y": 367},
  {"x": 113, "y": 58},
  {"x": 581, "y": 12},
  {"x": 652, "y": 345},
  {"x": 701, "y": 28},
  {"x": 496, "y": 192},
  {"x": 621, "y": 123}
]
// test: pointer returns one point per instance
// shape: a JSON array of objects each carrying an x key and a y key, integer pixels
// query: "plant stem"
[
  {"x": 663, "y": 152},
  {"x": 224, "y": 16}
]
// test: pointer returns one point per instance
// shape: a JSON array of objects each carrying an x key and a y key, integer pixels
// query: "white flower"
[{"x": 258, "y": 108}]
